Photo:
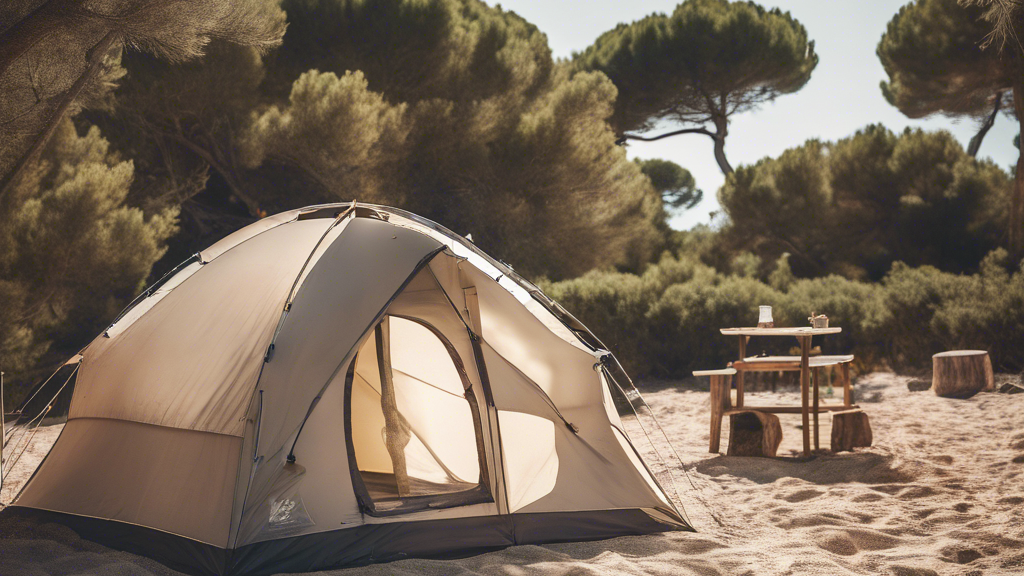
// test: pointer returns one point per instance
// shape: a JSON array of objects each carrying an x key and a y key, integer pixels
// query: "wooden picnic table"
[{"x": 803, "y": 363}]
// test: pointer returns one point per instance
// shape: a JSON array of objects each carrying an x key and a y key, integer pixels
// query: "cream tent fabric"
[{"x": 344, "y": 384}]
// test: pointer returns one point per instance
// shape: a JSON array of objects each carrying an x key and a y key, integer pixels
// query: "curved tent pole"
[
  {"x": 295, "y": 284},
  {"x": 258, "y": 426},
  {"x": 376, "y": 320},
  {"x": 153, "y": 288}
]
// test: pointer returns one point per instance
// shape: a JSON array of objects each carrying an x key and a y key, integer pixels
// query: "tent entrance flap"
[{"x": 414, "y": 440}]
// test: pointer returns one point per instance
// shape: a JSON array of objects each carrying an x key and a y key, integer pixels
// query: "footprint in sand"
[
  {"x": 1018, "y": 459},
  {"x": 869, "y": 497},
  {"x": 962, "y": 506},
  {"x": 909, "y": 571},
  {"x": 800, "y": 495},
  {"x": 915, "y": 492},
  {"x": 850, "y": 541},
  {"x": 922, "y": 514},
  {"x": 966, "y": 556},
  {"x": 1012, "y": 500}
]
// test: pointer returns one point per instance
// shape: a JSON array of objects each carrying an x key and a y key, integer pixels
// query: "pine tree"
[{"x": 708, "y": 60}]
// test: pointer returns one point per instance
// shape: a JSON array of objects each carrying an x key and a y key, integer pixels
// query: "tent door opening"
[{"x": 414, "y": 435}]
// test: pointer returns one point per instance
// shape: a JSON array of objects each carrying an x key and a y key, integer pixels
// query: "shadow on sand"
[{"x": 828, "y": 468}]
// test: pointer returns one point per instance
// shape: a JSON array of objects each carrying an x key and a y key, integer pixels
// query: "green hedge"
[{"x": 665, "y": 322}]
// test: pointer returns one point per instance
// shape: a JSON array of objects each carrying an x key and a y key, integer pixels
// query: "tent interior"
[{"x": 414, "y": 432}]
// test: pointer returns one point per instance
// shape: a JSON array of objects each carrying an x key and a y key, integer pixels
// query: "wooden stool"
[
  {"x": 961, "y": 373},
  {"x": 721, "y": 382},
  {"x": 753, "y": 433},
  {"x": 850, "y": 429}
]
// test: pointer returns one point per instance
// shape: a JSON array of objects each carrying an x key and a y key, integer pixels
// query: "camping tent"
[{"x": 344, "y": 384}]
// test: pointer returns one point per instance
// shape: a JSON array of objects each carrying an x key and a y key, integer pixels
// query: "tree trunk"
[
  {"x": 975, "y": 143},
  {"x": 94, "y": 59},
  {"x": 721, "y": 130},
  {"x": 961, "y": 373},
  {"x": 1016, "y": 229}
]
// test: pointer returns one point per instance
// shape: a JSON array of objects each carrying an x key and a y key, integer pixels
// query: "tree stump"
[
  {"x": 753, "y": 433},
  {"x": 961, "y": 373},
  {"x": 850, "y": 429}
]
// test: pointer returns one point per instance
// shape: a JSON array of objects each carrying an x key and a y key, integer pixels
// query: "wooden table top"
[{"x": 807, "y": 331}]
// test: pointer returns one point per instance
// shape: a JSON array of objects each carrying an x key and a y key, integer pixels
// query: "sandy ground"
[{"x": 940, "y": 492}]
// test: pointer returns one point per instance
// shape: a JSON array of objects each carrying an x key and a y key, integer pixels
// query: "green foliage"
[
  {"x": 179, "y": 121},
  {"x": 686, "y": 319},
  {"x": 666, "y": 321},
  {"x": 928, "y": 311},
  {"x": 745, "y": 265},
  {"x": 72, "y": 254},
  {"x": 706, "y": 61},
  {"x": 456, "y": 50},
  {"x": 60, "y": 56},
  {"x": 933, "y": 53},
  {"x": 457, "y": 113},
  {"x": 334, "y": 128},
  {"x": 781, "y": 278},
  {"x": 668, "y": 67},
  {"x": 855, "y": 206},
  {"x": 676, "y": 185}
]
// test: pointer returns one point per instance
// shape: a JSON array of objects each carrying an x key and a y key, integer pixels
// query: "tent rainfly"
[{"x": 338, "y": 385}]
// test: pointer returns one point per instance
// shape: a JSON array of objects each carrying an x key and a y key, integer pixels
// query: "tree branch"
[
  {"x": 95, "y": 59},
  {"x": 625, "y": 137},
  {"x": 30, "y": 31},
  {"x": 975, "y": 143},
  {"x": 229, "y": 177}
]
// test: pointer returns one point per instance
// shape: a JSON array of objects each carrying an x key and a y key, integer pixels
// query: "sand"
[{"x": 940, "y": 492}]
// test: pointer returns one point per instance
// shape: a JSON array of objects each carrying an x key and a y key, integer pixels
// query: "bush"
[
  {"x": 928, "y": 311},
  {"x": 684, "y": 323},
  {"x": 665, "y": 322}
]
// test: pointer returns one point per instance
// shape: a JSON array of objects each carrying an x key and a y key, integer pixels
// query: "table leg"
[
  {"x": 847, "y": 392},
  {"x": 817, "y": 384},
  {"x": 739, "y": 374},
  {"x": 805, "y": 376},
  {"x": 719, "y": 404}
]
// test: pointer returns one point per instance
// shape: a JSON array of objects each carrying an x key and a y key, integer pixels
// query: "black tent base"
[{"x": 366, "y": 544}]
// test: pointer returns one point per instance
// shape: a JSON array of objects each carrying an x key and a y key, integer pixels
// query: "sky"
[{"x": 842, "y": 96}]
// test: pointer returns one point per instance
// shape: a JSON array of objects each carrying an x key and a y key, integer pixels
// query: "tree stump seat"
[
  {"x": 753, "y": 433},
  {"x": 961, "y": 373},
  {"x": 850, "y": 429}
]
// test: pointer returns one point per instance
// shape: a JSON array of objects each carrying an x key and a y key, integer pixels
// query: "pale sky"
[{"x": 841, "y": 97}]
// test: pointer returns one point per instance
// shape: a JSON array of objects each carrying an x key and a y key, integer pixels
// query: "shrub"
[{"x": 666, "y": 321}]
